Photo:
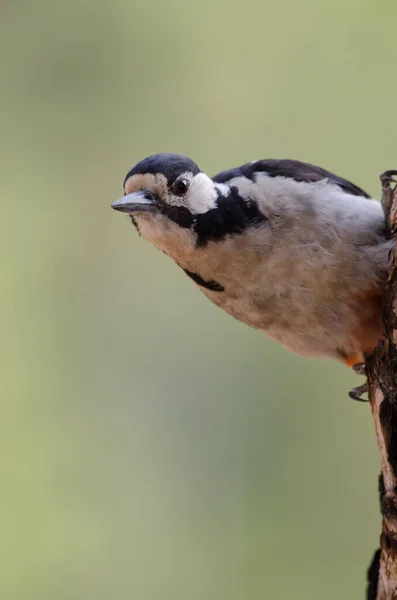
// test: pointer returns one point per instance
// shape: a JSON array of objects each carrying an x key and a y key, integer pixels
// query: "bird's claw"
[{"x": 356, "y": 393}]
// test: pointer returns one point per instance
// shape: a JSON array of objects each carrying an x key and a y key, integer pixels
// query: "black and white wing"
[{"x": 292, "y": 169}]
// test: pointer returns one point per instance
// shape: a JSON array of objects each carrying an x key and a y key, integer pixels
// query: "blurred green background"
[{"x": 152, "y": 446}]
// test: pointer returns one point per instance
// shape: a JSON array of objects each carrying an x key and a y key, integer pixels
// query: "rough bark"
[{"x": 381, "y": 369}]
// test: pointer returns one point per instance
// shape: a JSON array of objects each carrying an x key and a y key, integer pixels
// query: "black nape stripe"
[
  {"x": 214, "y": 286},
  {"x": 232, "y": 215}
]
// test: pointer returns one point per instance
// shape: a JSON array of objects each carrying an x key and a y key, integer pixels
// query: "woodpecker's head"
[
  {"x": 164, "y": 194},
  {"x": 178, "y": 208}
]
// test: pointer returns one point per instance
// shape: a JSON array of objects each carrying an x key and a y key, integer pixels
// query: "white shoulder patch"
[{"x": 331, "y": 203}]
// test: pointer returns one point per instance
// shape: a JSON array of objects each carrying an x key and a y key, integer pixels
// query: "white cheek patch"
[{"x": 202, "y": 194}]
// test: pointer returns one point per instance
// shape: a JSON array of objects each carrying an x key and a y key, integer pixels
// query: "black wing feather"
[{"x": 294, "y": 169}]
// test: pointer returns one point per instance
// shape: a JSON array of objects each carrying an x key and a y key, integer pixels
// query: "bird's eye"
[{"x": 180, "y": 187}]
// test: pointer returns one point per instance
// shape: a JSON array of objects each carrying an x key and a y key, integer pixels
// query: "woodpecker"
[{"x": 283, "y": 246}]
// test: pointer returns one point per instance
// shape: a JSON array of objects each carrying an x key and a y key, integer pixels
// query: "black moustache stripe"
[
  {"x": 179, "y": 214},
  {"x": 231, "y": 215}
]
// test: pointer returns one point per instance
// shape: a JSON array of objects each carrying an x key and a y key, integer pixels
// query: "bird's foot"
[
  {"x": 355, "y": 393},
  {"x": 388, "y": 180},
  {"x": 359, "y": 368}
]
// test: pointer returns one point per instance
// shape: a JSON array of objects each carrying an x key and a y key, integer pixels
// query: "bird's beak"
[{"x": 135, "y": 202}]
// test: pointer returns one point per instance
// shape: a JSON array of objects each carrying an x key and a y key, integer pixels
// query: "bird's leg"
[
  {"x": 359, "y": 368},
  {"x": 356, "y": 392}
]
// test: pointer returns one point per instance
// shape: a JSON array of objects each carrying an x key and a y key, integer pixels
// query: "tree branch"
[{"x": 381, "y": 369}]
